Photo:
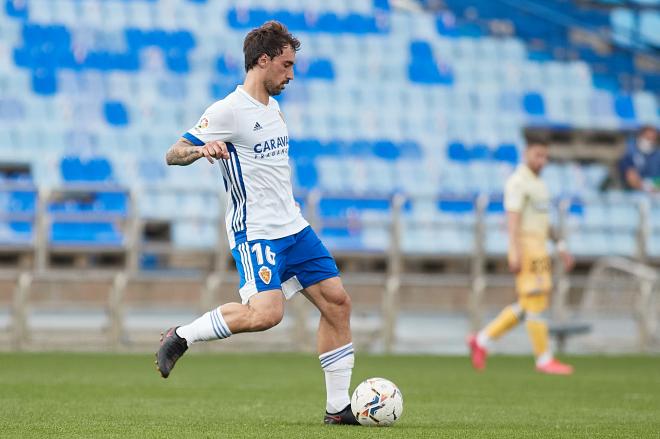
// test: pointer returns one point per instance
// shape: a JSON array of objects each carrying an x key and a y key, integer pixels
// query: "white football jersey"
[{"x": 260, "y": 203}]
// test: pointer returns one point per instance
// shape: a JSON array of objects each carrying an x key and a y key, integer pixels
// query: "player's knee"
[
  {"x": 345, "y": 303},
  {"x": 266, "y": 319},
  {"x": 339, "y": 304}
]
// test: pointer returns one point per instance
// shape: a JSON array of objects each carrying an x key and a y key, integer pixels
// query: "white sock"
[
  {"x": 210, "y": 326},
  {"x": 483, "y": 340},
  {"x": 544, "y": 358},
  {"x": 338, "y": 366}
]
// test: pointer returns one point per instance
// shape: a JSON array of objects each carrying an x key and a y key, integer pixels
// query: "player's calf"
[{"x": 333, "y": 302}]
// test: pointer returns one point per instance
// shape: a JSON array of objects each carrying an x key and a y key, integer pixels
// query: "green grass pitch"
[{"x": 282, "y": 396}]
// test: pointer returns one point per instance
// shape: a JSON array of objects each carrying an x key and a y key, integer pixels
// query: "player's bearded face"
[
  {"x": 273, "y": 88},
  {"x": 536, "y": 158},
  {"x": 279, "y": 71}
]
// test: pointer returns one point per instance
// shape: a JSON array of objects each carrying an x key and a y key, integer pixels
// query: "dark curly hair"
[{"x": 270, "y": 38}]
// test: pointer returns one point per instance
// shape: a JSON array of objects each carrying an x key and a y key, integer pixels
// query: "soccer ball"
[{"x": 377, "y": 402}]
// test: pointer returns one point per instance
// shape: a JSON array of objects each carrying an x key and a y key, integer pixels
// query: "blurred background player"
[
  {"x": 526, "y": 200},
  {"x": 277, "y": 253},
  {"x": 640, "y": 165}
]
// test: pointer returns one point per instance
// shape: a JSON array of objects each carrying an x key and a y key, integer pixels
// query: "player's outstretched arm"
[{"x": 183, "y": 152}]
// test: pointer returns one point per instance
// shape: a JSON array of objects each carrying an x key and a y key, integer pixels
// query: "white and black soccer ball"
[{"x": 377, "y": 402}]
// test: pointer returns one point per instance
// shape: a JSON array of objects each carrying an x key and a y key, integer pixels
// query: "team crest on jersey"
[
  {"x": 203, "y": 123},
  {"x": 265, "y": 274}
]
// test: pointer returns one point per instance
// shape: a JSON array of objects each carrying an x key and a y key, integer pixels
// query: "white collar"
[{"x": 241, "y": 90}]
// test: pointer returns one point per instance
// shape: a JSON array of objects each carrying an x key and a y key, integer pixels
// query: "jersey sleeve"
[
  {"x": 217, "y": 123},
  {"x": 514, "y": 195}
]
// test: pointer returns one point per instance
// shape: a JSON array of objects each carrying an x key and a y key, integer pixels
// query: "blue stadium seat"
[
  {"x": 457, "y": 151},
  {"x": 315, "y": 69},
  {"x": 423, "y": 67},
  {"x": 456, "y": 206},
  {"x": 96, "y": 169},
  {"x": 306, "y": 174},
  {"x": 410, "y": 150},
  {"x": 226, "y": 65},
  {"x": 624, "y": 108},
  {"x": 506, "y": 153},
  {"x": 341, "y": 207},
  {"x": 16, "y": 232},
  {"x": 479, "y": 152},
  {"x": 18, "y": 201},
  {"x": 17, "y": 9},
  {"x": 386, "y": 149},
  {"x": 88, "y": 233},
  {"x": 115, "y": 113},
  {"x": 44, "y": 82},
  {"x": 533, "y": 104},
  {"x": 115, "y": 203}
]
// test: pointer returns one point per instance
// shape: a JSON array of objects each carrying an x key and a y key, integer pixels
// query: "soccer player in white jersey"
[{"x": 277, "y": 253}]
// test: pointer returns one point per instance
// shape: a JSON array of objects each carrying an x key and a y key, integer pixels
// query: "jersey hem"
[{"x": 296, "y": 227}]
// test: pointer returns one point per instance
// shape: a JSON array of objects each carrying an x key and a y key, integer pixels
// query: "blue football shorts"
[{"x": 290, "y": 264}]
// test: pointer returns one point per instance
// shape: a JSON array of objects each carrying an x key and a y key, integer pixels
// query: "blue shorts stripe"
[
  {"x": 249, "y": 260},
  {"x": 239, "y": 249},
  {"x": 247, "y": 263}
]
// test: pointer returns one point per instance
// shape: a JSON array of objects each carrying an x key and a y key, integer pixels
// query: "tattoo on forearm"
[{"x": 182, "y": 155}]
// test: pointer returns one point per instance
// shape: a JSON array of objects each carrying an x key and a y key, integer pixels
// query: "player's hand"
[
  {"x": 567, "y": 260},
  {"x": 215, "y": 149},
  {"x": 514, "y": 263}
]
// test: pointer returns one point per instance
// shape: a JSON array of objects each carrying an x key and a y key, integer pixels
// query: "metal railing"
[{"x": 475, "y": 281}]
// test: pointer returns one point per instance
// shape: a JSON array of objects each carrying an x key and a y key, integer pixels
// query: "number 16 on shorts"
[
  {"x": 264, "y": 255},
  {"x": 257, "y": 266}
]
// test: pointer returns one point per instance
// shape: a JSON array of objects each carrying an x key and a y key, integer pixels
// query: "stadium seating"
[{"x": 385, "y": 101}]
